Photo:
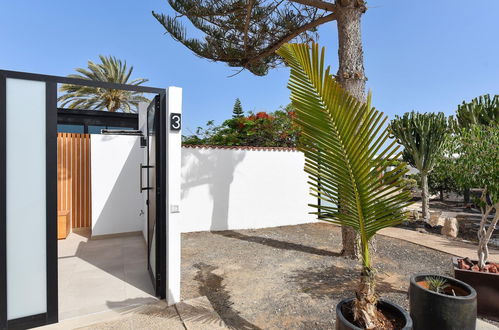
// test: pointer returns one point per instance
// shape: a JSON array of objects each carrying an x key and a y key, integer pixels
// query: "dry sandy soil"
[{"x": 291, "y": 277}]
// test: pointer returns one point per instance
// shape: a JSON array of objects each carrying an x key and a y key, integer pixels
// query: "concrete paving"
[
  {"x": 482, "y": 325},
  {"x": 439, "y": 243},
  {"x": 193, "y": 314},
  {"x": 198, "y": 313},
  {"x": 103, "y": 274}
]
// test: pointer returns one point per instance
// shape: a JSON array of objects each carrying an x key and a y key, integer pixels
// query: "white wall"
[
  {"x": 173, "y": 199},
  {"x": 225, "y": 189},
  {"x": 116, "y": 198}
]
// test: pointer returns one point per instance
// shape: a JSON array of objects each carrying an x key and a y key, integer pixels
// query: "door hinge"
[
  {"x": 158, "y": 277},
  {"x": 147, "y": 202}
]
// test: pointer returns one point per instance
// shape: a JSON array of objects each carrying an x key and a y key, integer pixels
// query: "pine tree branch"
[
  {"x": 271, "y": 49},
  {"x": 247, "y": 23},
  {"x": 327, "y": 6}
]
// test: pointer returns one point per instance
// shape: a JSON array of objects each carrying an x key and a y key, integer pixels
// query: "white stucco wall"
[
  {"x": 225, "y": 189},
  {"x": 116, "y": 198},
  {"x": 173, "y": 198}
]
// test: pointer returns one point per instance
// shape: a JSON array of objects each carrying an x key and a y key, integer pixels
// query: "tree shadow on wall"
[{"x": 215, "y": 169}]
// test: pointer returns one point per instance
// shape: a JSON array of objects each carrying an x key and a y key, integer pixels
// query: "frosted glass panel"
[{"x": 26, "y": 199}]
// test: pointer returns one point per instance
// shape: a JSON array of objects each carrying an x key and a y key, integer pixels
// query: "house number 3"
[{"x": 175, "y": 121}]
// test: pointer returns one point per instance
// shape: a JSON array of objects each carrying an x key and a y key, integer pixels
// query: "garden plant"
[
  {"x": 112, "y": 70},
  {"x": 346, "y": 150},
  {"x": 482, "y": 110},
  {"x": 423, "y": 136},
  {"x": 261, "y": 129},
  {"x": 246, "y": 34},
  {"x": 478, "y": 150}
]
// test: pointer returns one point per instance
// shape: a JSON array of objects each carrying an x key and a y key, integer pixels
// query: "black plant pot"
[
  {"x": 432, "y": 310},
  {"x": 384, "y": 306}
]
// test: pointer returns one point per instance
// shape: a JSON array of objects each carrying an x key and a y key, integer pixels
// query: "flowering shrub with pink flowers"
[{"x": 261, "y": 129}]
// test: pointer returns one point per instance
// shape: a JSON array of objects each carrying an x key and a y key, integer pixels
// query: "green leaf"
[{"x": 342, "y": 142}]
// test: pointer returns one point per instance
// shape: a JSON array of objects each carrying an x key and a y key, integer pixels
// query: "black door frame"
[
  {"x": 159, "y": 167},
  {"x": 51, "y": 315}
]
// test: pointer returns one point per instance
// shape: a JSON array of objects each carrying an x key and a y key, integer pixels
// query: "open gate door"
[
  {"x": 156, "y": 245},
  {"x": 28, "y": 195},
  {"x": 28, "y": 201}
]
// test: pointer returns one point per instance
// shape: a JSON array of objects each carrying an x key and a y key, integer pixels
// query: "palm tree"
[
  {"x": 112, "y": 70},
  {"x": 345, "y": 154},
  {"x": 423, "y": 136}
]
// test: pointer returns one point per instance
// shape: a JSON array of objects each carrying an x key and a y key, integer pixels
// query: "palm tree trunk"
[
  {"x": 425, "y": 197},
  {"x": 365, "y": 311},
  {"x": 351, "y": 77}
]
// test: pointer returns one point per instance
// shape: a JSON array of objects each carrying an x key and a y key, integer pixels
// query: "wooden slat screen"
[{"x": 73, "y": 179}]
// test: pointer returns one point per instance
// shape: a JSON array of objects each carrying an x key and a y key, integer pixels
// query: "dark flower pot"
[
  {"x": 486, "y": 286},
  {"x": 386, "y": 307},
  {"x": 432, "y": 310}
]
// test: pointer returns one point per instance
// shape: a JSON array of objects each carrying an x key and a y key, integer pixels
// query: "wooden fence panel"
[{"x": 73, "y": 179}]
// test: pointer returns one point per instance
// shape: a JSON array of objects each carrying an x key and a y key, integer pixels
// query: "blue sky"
[{"x": 424, "y": 55}]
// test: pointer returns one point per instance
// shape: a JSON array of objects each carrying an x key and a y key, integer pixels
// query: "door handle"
[{"x": 142, "y": 188}]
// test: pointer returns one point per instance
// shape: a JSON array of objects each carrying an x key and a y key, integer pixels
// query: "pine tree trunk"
[
  {"x": 351, "y": 74},
  {"x": 351, "y": 77},
  {"x": 425, "y": 197}
]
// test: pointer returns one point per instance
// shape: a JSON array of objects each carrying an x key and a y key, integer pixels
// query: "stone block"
[{"x": 450, "y": 227}]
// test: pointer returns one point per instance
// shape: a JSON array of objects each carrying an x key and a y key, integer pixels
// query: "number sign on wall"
[{"x": 175, "y": 121}]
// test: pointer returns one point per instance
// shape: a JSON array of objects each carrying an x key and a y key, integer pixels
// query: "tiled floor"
[{"x": 103, "y": 274}]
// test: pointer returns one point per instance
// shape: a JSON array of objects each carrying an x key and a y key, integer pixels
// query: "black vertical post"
[
  {"x": 51, "y": 195},
  {"x": 3, "y": 201},
  {"x": 163, "y": 191}
]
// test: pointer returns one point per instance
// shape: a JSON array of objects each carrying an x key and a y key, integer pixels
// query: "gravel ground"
[{"x": 292, "y": 277}]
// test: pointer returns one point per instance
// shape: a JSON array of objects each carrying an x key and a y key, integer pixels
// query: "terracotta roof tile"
[{"x": 252, "y": 148}]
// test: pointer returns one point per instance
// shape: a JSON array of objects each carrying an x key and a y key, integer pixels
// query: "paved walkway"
[
  {"x": 193, "y": 314},
  {"x": 97, "y": 275},
  {"x": 439, "y": 243}
]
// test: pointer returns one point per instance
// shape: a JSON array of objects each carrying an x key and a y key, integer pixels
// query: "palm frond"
[
  {"x": 344, "y": 142},
  {"x": 112, "y": 70}
]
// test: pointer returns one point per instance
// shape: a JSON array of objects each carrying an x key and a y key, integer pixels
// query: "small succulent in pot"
[
  {"x": 436, "y": 284},
  {"x": 441, "y": 302}
]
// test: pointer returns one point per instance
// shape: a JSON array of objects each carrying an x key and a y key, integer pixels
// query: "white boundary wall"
[{"x": 227, "y": 189}]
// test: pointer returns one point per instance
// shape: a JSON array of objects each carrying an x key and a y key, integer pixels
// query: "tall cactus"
[
  {"x": 423, "y": 136},
  {"x": 482, "y": 110}
]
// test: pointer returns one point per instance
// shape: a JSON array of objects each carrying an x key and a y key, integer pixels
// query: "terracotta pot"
[
  {"x": 432, "y": 310},
  {"x": 487, "y": 289},
  {"x": 383, "y": 305}
]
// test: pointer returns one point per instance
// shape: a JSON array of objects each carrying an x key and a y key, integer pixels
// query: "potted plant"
[
  {"x": 478, "y": 160},
  {"x": 441, "y": 302},
  {"x": 346, "y": 152}
]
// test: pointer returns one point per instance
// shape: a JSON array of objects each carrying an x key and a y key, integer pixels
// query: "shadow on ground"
[
  {"x": 340, "y": 282},
  {"x": 276, "y": 243},
  {"x": 211, "y": 286}
]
